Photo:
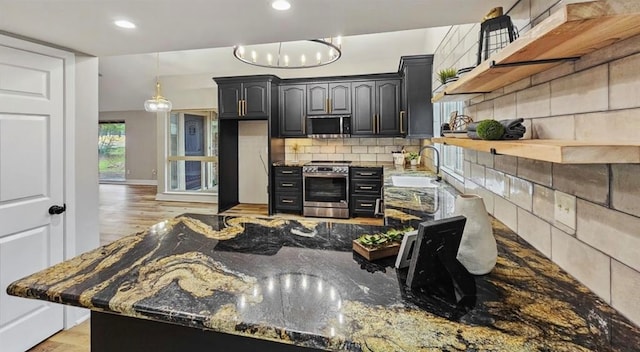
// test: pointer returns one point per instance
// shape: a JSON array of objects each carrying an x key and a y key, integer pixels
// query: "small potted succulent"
[
  {"x": 380, "y": 245},
  {"x": 414, "y": 158}
]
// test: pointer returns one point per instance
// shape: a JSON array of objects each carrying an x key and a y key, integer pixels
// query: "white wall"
[
  {"x": 190, "y": 91},
  {"x": 252, "y": 159},
  {"x": 84, "y": 177},
  {"x": 86, "y": 154},
  {"x": 141, "y": 144}
]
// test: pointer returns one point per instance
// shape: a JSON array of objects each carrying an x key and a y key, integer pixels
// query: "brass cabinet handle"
[
  {"x": 286, "y": 184},
  {"x": 366, "y": 205},
  {"x": 239, "y": 107},
  {"x": 375, "y": 123},
  {"x": 286, "y": 172},
  {"x": 365, "y": 173},
  {"x": 329, "y": 106},
  {"x": 244, "y": 104},
  {"x": 401, "y": 124},
  {"x": 366, "y": 187},
  {"x": 287, "y": 201}
]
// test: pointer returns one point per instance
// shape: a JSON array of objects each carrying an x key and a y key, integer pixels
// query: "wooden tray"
[{"x": 376, "y": 253}]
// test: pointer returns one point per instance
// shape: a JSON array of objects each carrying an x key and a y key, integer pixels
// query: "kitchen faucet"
[{"x": 436, "y": 160}]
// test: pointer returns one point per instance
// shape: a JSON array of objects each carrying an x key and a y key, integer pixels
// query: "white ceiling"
[{"x": 86, "y": 26}]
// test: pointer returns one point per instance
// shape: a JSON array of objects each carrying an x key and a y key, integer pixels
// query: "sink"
[{"x": 413, "y": 181}]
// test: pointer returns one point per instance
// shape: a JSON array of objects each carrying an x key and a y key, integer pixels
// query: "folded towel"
[
  {"x": 518, "y": 130},
  {"x": 512, "y": 136},
  {"x": 512, "y": 125},
  {"x": 473, "y": 135}
]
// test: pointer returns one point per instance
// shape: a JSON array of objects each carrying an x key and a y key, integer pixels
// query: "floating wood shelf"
[
  {"x": 554, "y": 150},
  {"x": 569, "y": 33}
]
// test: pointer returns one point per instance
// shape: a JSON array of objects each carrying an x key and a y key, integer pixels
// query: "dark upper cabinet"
[
  {"x": 248, "y": 99},
  {"x": 229, "y": 100},
  {"x": 417, "y": 109},
  {"x": 293, "y": 99},
  {"x": 388, "y": 107},
  {"x": 256, "y": 99},
  {"x": 376, "y": 108},
  {"x": 364, "y": 108},
  {"x": 333, "y": 98}
]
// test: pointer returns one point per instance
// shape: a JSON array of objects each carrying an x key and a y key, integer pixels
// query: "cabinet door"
[
  {"x": 256, "y": 99},
  {"x": 388, "y": 107},
  {"x": 417, "y": 85},
  {"x": 340, "y": 98},
  {"x": 317, "y": 98},
  {"x": 229, "y": 96},
  {"x": 292, "y": 110},
  {"x": 362, "y": 118}
]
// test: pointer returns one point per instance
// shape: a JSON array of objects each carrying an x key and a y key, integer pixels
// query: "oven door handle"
[{"x": 326, "y": 175}]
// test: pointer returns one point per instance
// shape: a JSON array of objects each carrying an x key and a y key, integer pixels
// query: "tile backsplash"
[
  {"x": 595, "y": 236},
  {"x": 352, "y": 149}
]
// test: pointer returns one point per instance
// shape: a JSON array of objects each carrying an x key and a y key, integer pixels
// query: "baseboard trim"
[
  {"x": 132, "y": 182},
  {"x": 188, "y": 197}
]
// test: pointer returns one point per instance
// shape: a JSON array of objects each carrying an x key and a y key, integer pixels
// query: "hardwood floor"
[{"x": 127, "y": 209}]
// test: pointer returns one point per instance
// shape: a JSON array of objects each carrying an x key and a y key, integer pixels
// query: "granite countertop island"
[{"x": 298, "y": 283}]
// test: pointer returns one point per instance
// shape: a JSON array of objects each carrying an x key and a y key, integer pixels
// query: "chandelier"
[
  {"x": 158, "y": 103},
  {"x": 291, "y": 55}
]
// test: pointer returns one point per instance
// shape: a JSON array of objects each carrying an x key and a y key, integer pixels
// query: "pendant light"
[
  {"x": 291, "y": 55},
  {"x": 158, "y": 103}
]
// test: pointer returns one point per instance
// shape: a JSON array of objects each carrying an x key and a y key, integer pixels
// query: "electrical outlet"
[
  {"x": 565, "y": 209},
  {"x": 128, "y": 172},
  {"x": 153, "y": 172}
]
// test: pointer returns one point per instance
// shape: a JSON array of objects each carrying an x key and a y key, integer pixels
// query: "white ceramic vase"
[{"x": 478, "y": 251}]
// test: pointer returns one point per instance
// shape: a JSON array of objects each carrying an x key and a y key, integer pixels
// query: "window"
[
  {"x": 111, "y": 151},
  {"x": 452, "y": 156},
  {"x": 192, "y": 161}
]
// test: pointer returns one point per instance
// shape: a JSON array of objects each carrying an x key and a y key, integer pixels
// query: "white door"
[{"x": 31, "y": 180}]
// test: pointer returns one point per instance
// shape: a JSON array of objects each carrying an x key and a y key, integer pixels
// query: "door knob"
[{"x": 56, "y": 209}]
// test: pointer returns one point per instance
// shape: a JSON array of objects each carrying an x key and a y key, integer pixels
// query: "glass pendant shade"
[{"x": 158, "y": 103}]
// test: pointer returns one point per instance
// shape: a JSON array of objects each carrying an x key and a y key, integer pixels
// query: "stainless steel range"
[{"x": 326, "y": 189}]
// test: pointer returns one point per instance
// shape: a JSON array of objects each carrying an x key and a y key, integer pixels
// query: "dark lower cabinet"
[
  {"x": 366, "y": 189},
  {"x": 288, "y": 189},
  {"x": 113, "y": 332}
]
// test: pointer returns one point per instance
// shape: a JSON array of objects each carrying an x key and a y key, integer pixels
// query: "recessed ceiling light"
[
  {"x": 281, "y": 5},
  {"x": 124, "y": 24}
]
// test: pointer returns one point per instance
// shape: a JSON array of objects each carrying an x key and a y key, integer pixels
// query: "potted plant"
[
  {"x": 380, "y": 245},
  {"x": 447, "y": 75},
  {"x": 295, "y": 148},
  {"x": 414, "y": 158}
]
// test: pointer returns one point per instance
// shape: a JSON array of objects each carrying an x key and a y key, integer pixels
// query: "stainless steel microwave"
[{"x": 329, "y": 126}]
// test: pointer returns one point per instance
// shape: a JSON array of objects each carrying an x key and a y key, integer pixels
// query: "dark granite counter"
[{"x": 299, "y": 283}]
